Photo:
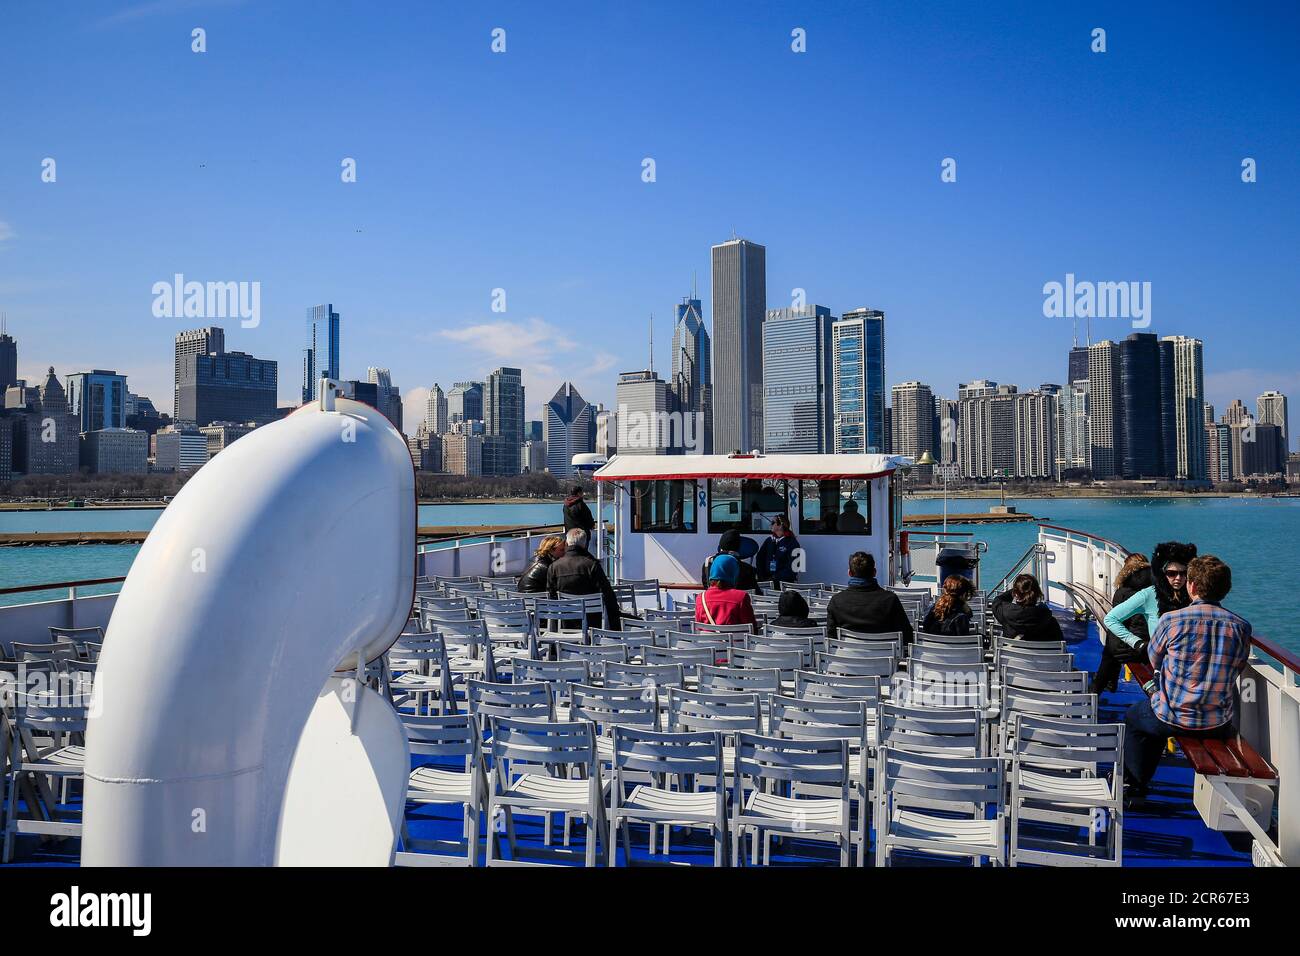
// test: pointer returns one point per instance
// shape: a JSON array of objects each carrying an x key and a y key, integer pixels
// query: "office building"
[
  {"x": 180, "y": 449},
  {"x": 1006, "y": 433},
  {"x": 435, "y": 415},
  {"x": 1140, "y": 442},
  {"x": 46, "y": 436},
  {"x": 388, "y": 397},
  {"x": 1105, "y": 408},
  {"x": 8, "y": 358},
  {"x": 1218, "y": 446},
  {"x": 503, "y": 420},
  {"x": 1188, "y": 401},
  {"x": 1078, "y": 363},
  {"x": 858, "y": 382},
  {"x": 7, "y": 423},
  {"x": 532, "y": 457},
  {"x": 798, "y": 382},
  {"x": 568, "y": 429},
  {"x": 739, "y": 302},
  {"x": 1271, "y": 409},
  {"x": 913, "y": 420},
  {"x": 119, "y": 451},
  {"x": 1073, "y": 445},
  {"x": 226, "y": 387},
  {"x": 692, "y": 371},
  {"x": 465, "y": 402},
  {"x": 98, "y": 399},
  {"x": 644, "y": 418},
  {"x": 142, "y": 415},
  {"x": 194, "y": 342},
  {"x": 220, "y": 435},
  {"x": 462, "y": 453},
  {"x": 946, "y": 426},
  {"x": 320, "y": 359}
]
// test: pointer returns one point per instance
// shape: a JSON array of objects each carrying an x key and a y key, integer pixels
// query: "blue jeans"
[{"x": 1144, "y": 742}]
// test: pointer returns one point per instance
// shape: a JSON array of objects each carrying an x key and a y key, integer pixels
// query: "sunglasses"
[{"x": 1172, "y": 573}]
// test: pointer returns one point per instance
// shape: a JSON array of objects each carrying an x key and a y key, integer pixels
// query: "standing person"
[
  {"x": 533, "y": 580},
  {"x": 1022, "y": 613},
  {"x": 739, "y": 547},
  {"x": 1167, "y": 592},
  {"x": 864, "y": 605},
  {"x": 1133, "y": 577},
  {"x": 579, "y": 573},
  {"x": 776, "y": 556},
  {"x": 723, "y": 602},
  {"x": 576, "y": 512},
  {"x": 950, "y": 614},
  {"x": 1197, "y": 653}
]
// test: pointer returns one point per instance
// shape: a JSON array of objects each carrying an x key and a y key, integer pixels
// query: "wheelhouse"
[{"x": 671, "y": 510}]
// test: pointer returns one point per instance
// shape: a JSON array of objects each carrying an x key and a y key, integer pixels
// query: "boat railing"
[
  {"x": 1079, "y": 568},
  {"x": 1030, "y": 559}
]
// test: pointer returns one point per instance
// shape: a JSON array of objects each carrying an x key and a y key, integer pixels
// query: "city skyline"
[{"x": 968, "y": 257}]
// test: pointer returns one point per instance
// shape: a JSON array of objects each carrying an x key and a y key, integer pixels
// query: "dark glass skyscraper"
[
  {"x": 227, "y": 387},
  {"x": 858, "y": 382},
  {"x": 503, "y": 418},
  {"x": 692, "y": 368},
  {"x": 1078, "y": 365},
  {"x": 797, "y": 380},
  {"x": 8, "y": 361},
  {"x": 739, "y": 303},
  {"x": 1141, "y": 445},
  {"x": 320, "y": 359}
]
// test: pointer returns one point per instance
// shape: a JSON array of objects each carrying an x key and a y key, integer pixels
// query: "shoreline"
[{"x": 132, "y": 505}]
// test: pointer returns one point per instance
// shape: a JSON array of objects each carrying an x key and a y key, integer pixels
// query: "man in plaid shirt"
[{"x": 1196, "y": 653}]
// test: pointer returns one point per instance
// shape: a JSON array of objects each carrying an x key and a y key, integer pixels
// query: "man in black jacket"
[
  {"x": 579, "y": 573},
  {"x": 741, "y": 548},
  {"x": 864, "y": 605},
  {"x": 576, "y": 512}
]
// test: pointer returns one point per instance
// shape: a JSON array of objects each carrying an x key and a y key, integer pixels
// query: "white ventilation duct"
[{"x": 289, "y": 552}]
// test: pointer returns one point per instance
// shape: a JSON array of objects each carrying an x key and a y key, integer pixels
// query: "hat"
[
  {"x": 733, "y": 540},
  {"x": 725, "y": 568}
]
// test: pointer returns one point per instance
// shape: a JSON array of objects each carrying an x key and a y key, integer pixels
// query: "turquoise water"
[{"x": 1257, "y": 537}]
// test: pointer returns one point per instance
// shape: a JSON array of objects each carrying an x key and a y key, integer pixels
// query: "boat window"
[
  {"x": 746, "y": 504},
  {"x": 836, "y": 506},
  {"x": 663, "y": 506}
]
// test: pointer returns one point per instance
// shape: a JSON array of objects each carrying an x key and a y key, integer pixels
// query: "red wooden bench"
[{"x": 1231, "y": 758}]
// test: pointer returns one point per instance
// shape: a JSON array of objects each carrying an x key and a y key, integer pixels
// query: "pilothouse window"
[
  {"x": 835, "y": 507},
  {"x": 663, "y": 506},
  {"x": 746, "y": 504}
]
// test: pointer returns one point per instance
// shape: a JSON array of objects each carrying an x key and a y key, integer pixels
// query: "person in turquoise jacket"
[{"x": 1168, "y": 592}]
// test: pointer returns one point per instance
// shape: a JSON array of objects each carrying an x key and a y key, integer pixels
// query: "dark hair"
[
  {"x": 862, "y": 565},
  {"x": 953, "y": 599},
  {"x": 577, "y": 490},
  {"x": 1025, "y": 589},
  {"x": 1213, "y": 578}
]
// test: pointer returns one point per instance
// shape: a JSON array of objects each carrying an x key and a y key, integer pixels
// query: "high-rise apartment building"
[
  {"x": 798, "y": 383},
  {"x": 1105, "y": 407},
  {"x": 946, "y": 427},
  {"x": 503, "y": 419},
  {"x": 858, "y": 382},
  {"x": 1188, "y": 401},
  {"x": 320, "y": 359},
  {"x": 1271, "y": 409},
  {"x": 1005, "y": 433},
  {"x": 644, "y": 418},
  {"x": 913, "y": 423},
  {"x": 739, "y": 302}
]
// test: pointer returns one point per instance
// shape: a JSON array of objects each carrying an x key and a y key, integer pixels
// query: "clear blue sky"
[{"x": 523, "y": 171}]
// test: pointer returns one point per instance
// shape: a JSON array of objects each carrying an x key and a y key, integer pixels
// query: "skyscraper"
[
  {"x": 46, "y": 436},
  {"x": 643, "y": 422},
  {"x": 226, "y": 387},
  {"x": 1073, "y": 447},
  {"x": 388, "y": 397},
  {"x": 1008, "y": 433},
  {"x": 1105, "y": 407},
  {"x": 858, "y": 382},
  {"x": 194, "y": 342},
  {"x": 739, "y": 301},
  {"x": 1189, "y": 399},
  {"x": 8, "y": 358},
  {"x": 797, "y": 380},
  {"x": 1140, "y": 424},
  {"x": 435, "y": 416},
  {"x": 320, "y": 359},
  {"x": 98, "y": 399},
  {"x": 913, "y": 423},
  {"x": 1078, "y": 366},
  {"x": 465, "y": 402},
  {"x": 946, "y": 424},
  {"x": 1270, "y": 409},
  {"x": 692, "y": 370},
  {"x": 567, "y": 430},
  {"x": 503, "y": 420}
]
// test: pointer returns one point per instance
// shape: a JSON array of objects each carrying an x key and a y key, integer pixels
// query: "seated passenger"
[
  {"x": 723, "y": 602},
  {"x": 851, "y": 521},
  {"x": 776, "y": 555},
  {"x": 1022, "y": 613},
  {"x": 739, "y": 547},
  {"x": 793, "y": 610},
  {"x": 578, "y": 572},
  {"x": 1197, "y": 653},
  {"x": 533, "y": 580},
  {"x": 864, "y": 605},
  {"x": 950, "y": 614}
]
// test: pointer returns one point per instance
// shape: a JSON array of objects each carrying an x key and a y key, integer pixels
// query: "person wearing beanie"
[
  {"x": 739, "y": 547},
  {"x": 793, "y": 610},
  {"x": 723, "y": 602}
]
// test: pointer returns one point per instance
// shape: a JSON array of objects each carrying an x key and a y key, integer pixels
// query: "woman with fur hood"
[{"x": 1167, "y": 591}]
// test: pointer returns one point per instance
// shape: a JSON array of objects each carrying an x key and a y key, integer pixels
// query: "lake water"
[{"x": 1257, "y": 537}]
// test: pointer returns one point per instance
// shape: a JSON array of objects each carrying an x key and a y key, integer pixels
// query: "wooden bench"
[{"x": 1210, "y": 758}]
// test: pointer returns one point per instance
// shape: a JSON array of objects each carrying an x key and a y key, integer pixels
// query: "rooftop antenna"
[
  {"x": 1089, "y": 328},
  {"x": 1075, "y": 320},
  {"x": 652, "y": 342},
  {"x": 695, "y": 284}
]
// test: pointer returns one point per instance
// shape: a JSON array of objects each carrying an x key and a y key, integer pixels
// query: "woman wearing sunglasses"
[{"x": 1168, "y": 592}]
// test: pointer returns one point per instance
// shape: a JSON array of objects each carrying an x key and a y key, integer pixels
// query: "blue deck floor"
[{"x": 1166, "y": 832}]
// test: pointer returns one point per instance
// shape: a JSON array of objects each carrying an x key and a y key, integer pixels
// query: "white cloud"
[
  {"x": 1247, "y": 384},
  {"x": 6, "y": 231},
  {"x": 415, "y": 404}
]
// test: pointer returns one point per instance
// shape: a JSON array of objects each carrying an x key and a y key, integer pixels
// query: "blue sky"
[{"x": 522, "y": 171}]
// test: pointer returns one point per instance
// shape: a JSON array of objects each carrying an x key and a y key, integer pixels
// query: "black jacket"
[
  {"x": 533, "y": 579},
  {"x": 1137, "y": 581},
  {"x": 793, "y": 610},
  {"x": 1026, "y": 622},
  {"x": 577, "y": 514},
  {"x": 747, "y": 581},
  {"x": 956, "y": 623},
  {"x": 868, "y": 608},
  {"x": 579, "y": 573},
  {"x": 775, "y": 559}
]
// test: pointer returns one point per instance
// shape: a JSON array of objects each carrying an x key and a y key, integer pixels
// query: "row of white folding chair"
[{"x": 44, "y": 734}]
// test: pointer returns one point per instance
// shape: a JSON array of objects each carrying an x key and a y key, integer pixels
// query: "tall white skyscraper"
[
  {"x": 643, "y": 422},
  {"x": 435, "y": 415},
  {"x": 797, "y": 381},
  {"x": 1189, "y": 406},
  {"x": 913, "y": 433},
  {"x": 1270, "y": 409},
  {"x": 320, "y": 359},
  {"x": 1104, "y": 408}
]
